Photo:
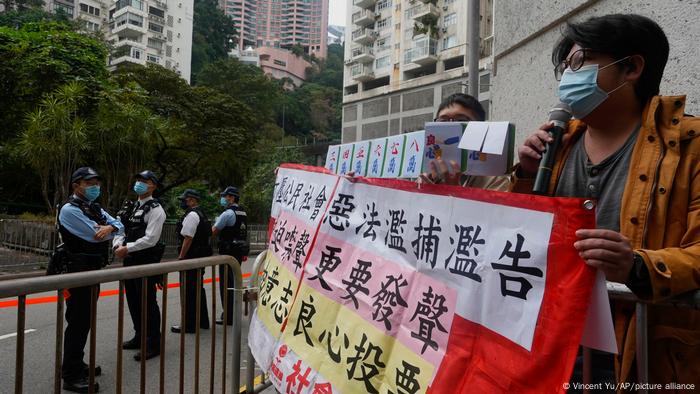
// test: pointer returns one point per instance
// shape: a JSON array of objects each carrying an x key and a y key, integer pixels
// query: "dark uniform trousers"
[
  {"x": 133, "y": 300},
  {"x": 77, "y": 330},
  {"x": 191, "y": 301},
  {"x": 222, "y": 290}
]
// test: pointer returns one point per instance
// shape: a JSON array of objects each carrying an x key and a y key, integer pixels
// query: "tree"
[
  {"x": 55, "y": 140},
  {"x": 21, "y": 5},
  {"x": 213, "y": 34}
]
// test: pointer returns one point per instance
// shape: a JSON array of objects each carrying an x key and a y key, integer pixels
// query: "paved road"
[{"x": 40, "y": 347}]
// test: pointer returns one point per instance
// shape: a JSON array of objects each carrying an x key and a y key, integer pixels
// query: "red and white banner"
[{"x": 377, "y": 286}]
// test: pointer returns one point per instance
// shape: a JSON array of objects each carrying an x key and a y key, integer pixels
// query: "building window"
[
  {"x": 66, "y": 9},
  {"x": 383, "y": 44},
  {"x": 279, "y": 63},
  {"x": 157, "y": 12},
  {"x": 152, "y": 58},
  {"x": 383, "y": 24},
  {"x": 383, "y": 4},
  {"x": 383, "y": 62},
  {"x": 154, "y": 27},
  {"x": 450, "y": 19},
  {"x": 88, "y": 9},
  {"x": 449, "y": 42},
  {"x": 155, "y": 44},
  {"x": 135, "y": 53}
]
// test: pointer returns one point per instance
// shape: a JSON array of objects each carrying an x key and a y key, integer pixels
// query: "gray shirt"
[{"x": 604, "y": 181}]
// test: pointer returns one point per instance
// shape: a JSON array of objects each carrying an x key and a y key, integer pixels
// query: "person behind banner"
[
  {"x": 86, "y": 230},
  {"x": 143, "y": 221},
  {"x": 460, "y": 107},
  {"x": 194, "y": 233},
  {"x": 231, "y": 228},
  {"x": 635, "y": 152}
]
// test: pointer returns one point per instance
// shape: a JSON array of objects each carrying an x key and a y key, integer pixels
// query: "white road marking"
[{"x": 14, "y": 334}]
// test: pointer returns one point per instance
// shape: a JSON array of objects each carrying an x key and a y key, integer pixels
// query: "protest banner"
[{"x": 376, "y": 286}]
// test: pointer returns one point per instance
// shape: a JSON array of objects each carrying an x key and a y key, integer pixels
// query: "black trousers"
[
  {"x": 77, "y": 330},
  {"x": 190, "y": 301},
  {"x": 133, "y": 300},
  {"x": 224, "y": 293}
]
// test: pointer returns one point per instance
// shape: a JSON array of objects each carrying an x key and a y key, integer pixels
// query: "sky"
[{"x": 336, "y": 12}]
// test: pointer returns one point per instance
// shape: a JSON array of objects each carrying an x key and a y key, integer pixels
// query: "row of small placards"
[{"x": 479, "y": 148}]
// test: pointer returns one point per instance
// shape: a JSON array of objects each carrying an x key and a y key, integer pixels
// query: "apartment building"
[
  {"x": 280, "y": 24},
  {"x": 402, "y": 57},
  {"x": 140, "y": 31}
]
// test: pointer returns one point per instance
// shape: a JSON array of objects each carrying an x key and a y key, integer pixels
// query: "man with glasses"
[
  {"x": 636, "y": 153},
  {"x": 460, "y": 107}
]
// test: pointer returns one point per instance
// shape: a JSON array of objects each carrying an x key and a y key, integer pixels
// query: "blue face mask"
[
  {"x": 183, "y": 204},
  {"x": 579, "y": 89},
  {"x": 223, "y": 202},
  {"x": 140, "y": 187},
  {"x": 92, "y": 192}
]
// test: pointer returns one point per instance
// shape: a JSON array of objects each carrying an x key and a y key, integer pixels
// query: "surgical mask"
[
  {"x": 140, "y": 188},
  {"x": 223, "y": 202},
  {"x": 92, "y": 192},
  {"x": 579, "y": 89},
  {"x": 183, "y": 204}
]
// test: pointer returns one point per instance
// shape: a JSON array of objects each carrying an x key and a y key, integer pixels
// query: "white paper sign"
[
  {"x": 413, "y": 154},
  {"x": 376, "y": 157},
  {"x": 361, "y": 157},
  {"x": 442, "y": 142},
  {"x": 332, "y": 158},
  {"x": 394, "y": 152},
  {"x": 345, "y": 161},
  {"x": 488, "y": 145}
]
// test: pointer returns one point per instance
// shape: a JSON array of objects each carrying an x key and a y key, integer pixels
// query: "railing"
[{"x": 20, "y": 288}]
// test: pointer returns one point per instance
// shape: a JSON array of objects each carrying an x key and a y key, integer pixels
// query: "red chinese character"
[
  {"x": 322, "y": 388},
  {"x": 346, "y": 154},
  {"x": 297, "y": 379},
  {"x": 414, "y": 143},
  {"x": 378, "y": 150},
  {"x": 431, "y": 139},
  {"x": 361, "y": 153},
  {"x": 275, "y": 370},
  {"x": 394, "y": 149}
]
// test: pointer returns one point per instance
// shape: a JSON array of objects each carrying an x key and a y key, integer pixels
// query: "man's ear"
[{"x": 634, "y": 68}]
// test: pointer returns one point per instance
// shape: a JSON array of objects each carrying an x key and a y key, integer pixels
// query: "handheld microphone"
[{"x": 559, "y": 116}]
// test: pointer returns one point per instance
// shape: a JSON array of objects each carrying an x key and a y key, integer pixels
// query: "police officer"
[
  {"x": 194, "y": 233},
  {"x": 86, "y": 230},
  {"x": 143, "y": 222},
  {"x": 231, "y": 228}
]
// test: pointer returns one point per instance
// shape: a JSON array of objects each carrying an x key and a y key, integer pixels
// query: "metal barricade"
[{"x": 20, "y": 288}]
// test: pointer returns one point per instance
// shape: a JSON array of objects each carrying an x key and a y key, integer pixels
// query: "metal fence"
[{"x": 20, "y": 288}]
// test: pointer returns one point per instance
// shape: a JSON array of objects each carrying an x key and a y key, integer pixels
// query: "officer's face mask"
[
  {"x": 91, "y": 192},
  {"x": 140, "y": 188},
  {"x": 223, "y": 202},
  {"x": 183, "y": 204},
  {"x": 579, "y": 89}
]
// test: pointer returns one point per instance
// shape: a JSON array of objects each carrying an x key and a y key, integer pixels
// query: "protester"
[{"x": 636, "y": 153}]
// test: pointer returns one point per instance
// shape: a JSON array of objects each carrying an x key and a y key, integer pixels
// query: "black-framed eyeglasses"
[
  {"x": 573, "y": 63},
  {"x": 455, "y": 119}
]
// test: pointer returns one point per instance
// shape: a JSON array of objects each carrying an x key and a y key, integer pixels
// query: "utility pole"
[{"x": 472, "y": 52}]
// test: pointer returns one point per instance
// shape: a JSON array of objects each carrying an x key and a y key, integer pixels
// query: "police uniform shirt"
[
  {"x": 189, "y": 224},
  {"x": 226, "y": 219},
  {"x": 75, "y": 221},
  {"x": 154, "y": 219}
]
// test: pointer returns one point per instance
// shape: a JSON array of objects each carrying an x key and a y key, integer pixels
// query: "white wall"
[{"x": 523, "y": 85}]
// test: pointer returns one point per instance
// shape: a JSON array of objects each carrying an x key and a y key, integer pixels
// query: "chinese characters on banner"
[{"x": 398, "y": 290}]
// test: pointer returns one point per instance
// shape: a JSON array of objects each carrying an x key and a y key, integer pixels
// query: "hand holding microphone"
[{"x": 539, "y": 150}]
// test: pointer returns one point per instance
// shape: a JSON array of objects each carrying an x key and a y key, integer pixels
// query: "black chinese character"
[
  {"x": 370, "y": 219},
  {"x": 270, "y": 283},
  {"x": 425, "y": 246},
  {"x": 339, "y": 214},
  {"x": 370, "y": 364},
  {"x": 359, "y": 275},
  {"x": 406, "y": 382},
  {"x": 334, "y": 355},
  {"x": 516, "y": 255},
  {"x": 430, "y": 309},
  {"x": 306, "y": 202},
  {"x": 278, "y": 235},
  {"x": 394, "y": 237},
  {"x": 318, "y": 203},
  {"x": 279, "y": 307},
  {"x": 288, "y": 192},
  {"x": 299, "y": 249},
  {"x": 280, "y": 189},
  {"x": 306, "y": 312},
  {"x": 329, "y": 262},
  {"x": 297, "y": 192},
  {"x": 289, "y": 242},
  {"x": 464, "y": 263},
  {"x": 388, "y": 297}
]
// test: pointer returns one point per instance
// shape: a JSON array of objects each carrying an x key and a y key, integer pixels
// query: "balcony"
[
  {"x": 364, "y": 3},
  {"x": 423, "y": 53},
  {"x": 363, "y": 18},
  {"x": 128, "y": 30},
  {"x": 361, "y": 73},
  {"x": 363, "y": 54},
  {"x": 364, "y": 36},
  {"x": 422, "y": 10},
  {"x": 128, "y": 54}
]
